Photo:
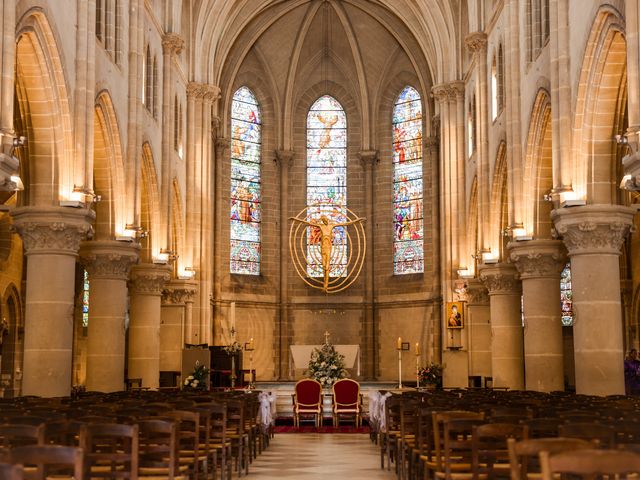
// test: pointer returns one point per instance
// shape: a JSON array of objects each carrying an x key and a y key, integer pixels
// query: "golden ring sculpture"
[{"x": 328, "y": 256}]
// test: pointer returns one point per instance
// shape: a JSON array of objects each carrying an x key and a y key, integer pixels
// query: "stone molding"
[
  {"x": 110, "y": 260},
  {"x": 52, "y": 230},
  {"x": 538, "y": 258},
  {"x": 368, "y": 158},
  {"x": 451, "y": 91},
  {"x": 172, "y": 43},
  {"x": 501, "y": 279},
  {"x": 476, "y": 42},
  {"x": 222, "y": 145},
  {"x": 284, "y": 158},
  {"x": 149, "y": 279},
  {"x": 179, "y": 292},
  {"x": 203, "y": 91},
  {"x": 593, "y": 229},
  {"x": 476, "y": 293}
]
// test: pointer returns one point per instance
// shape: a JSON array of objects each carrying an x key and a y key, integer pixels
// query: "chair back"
[
  {"x": 10, "y": 472},
  {"x": 308, "y": 392},
  {"x": 111, "y": 450},
  {"x": 48, "y": 460},
  {"x": 604, "y": 434},
  {"x": 589, "y": 462},
  {"x": 346, "y": 393},
  {"x": 524, "y": 454},
  {"x": 12, "y": 435}
]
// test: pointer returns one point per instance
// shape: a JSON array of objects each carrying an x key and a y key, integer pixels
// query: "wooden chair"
[
  {"x": 524, "y": 454},
  {"x": 603, "y": 434},
  {"x": 42, "y": 461},
  {"x": 188, "y": 442},
  {"x": 489, "y": 447},
  {"x": 20, "y": 435},
  {"x": 111, "y": 450},
  {"x": 307, "y": 401},
  {"x": 237, "y": 434},
  {"x": 543, "y": 427},
  {"x": 219, "y": 442},
  {"x": 347, "y": 400},
  {"x": 63, "y": 432},
  {"x": 158, "y": 450},
  {"x": 10, "y": 472},
  {"x": 452, "y": 432},
  {"x": 589, "y": 462}
]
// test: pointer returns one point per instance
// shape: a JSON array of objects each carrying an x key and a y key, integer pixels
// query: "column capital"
[
  {"x": 211, "y": 93},
  {"x": 109, "y": 259},
  {"x": 538, "y": 258},
  {"x": 196, "y": 90},
  {"x": 501, "y": 279},
  {"x": 368, "y": 158},
  {"x": 284, "y": 157},
  {"x": 172, "y": 43},
  {"x": 476, "y": 42},
  {"x": 149, "y": 279},
  {"x": 476, "y": 293},
  {"x": 52, "y": 230},
  {"x": 222, "y": 145},
  {"x": 451, "y": 91},
  {"x": 179, "y": 292},
  {"x": 593, "y": 229}
]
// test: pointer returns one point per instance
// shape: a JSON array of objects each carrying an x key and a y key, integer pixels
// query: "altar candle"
[
  {"x": 251, "y": 344},
  {"x": 232, "y": 315},
  {"x": 417, "y": 349},
  {"x": 399, "y": 343}
]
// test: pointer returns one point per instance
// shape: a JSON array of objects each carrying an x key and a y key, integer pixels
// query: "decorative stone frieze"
[
  {"x": 109, "y": 259},
  {"x": 148, "y": 279},
  {"x": 52, "y": 230},
  {"x": 476, "y": 42},
  {"x": 538, "y": 258},
  {"x": 592, "y": 229},
  {"x": 179, "y": 292},
  {"x": 501, "y": 279}
]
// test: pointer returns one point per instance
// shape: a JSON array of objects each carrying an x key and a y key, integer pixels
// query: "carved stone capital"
[
  {"x": 368, "y": 158},
  {"x": 284, "y": 158},
  {"x": 501, "y": 279},
  {"x": 476, "y": 42},
  {"x": 538, "y": 258},
  {"x": 211, "y": 93},
  {"x": 476, "y": 293},
  {"x": 179, "y": 292},
  {"x": 149, "y": 279},
  {"x": 196, "y": 90},
  {"x": 448, "y": 92},
  {"x": 172, "y": 43},
  {"x": 593, "y": 229},
  {"x": 109, "y": 259},
  {"x": 222, "y": 146},
  {"x": 52, "y": 230}
]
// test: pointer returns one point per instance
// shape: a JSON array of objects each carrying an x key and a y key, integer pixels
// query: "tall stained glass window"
[
  {"x": 246, "y": 136},
  {"x": 327, "y": 181},
  {"x": 566, "y": 296},
  {"x": 85, "y": 300},
  {"x": 408, "y": 248}
]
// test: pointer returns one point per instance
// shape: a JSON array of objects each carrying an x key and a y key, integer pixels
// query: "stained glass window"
[
  {"x": 566, "y": 296},
  {"x": 85, "y": 300},
  {"x": 246, "y": 135},
  {"x": 327, "y": 182},
  {"x": 408, "y": 224}
]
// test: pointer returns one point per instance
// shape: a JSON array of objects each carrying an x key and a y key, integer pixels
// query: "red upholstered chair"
[
  {"x": 346, "y": 400},
  {"x": 307, "y": 401}
]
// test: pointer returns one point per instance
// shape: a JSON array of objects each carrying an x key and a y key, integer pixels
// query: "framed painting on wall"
[{"x": 455, "y": 315}]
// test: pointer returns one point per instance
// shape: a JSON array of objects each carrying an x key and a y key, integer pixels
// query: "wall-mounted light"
[
  {"x": 464, "y": 273},
  {"x": 488, "y": 256},
  {"x": 187, "y": 273}
]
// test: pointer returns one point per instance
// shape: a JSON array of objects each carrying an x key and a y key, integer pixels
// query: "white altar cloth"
[{"x": 300, "y": 355}]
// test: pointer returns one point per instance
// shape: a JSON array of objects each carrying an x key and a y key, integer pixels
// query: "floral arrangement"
[
  {"x": 326, "y": 365},
  {"x": 232, "y": 348},
  {"x": 198, "y": 378},
  {"x": 431, "y": 374}
]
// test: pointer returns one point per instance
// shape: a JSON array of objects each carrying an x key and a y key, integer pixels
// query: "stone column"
[
  {"x": 631, "y": 161},
  {"x": 51, "y": 237},
  {"x": 540, "y": 263},
  {"x": 479, "y": 325},
  {"x": 593, "y": 235},
  {"x": 108, "y": 264},
  {"x": 283, "y": 333},
  {"x": 507, "y": 359},
  {"x": 7, "y": 84},
  {"x": 147, "y": 282},
  {"x": 369, "y": 159},
  {"x": 176, "y": 323}
]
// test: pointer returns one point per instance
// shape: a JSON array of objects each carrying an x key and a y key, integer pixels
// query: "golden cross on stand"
[{"x": 326, "y": 337}]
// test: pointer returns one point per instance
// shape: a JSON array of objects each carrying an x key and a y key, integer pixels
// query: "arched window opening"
[
  {"x": 327, "y": 181},
  {"x": 246, "y": 138},
  {"x": 408, "y": 221},
  {"x": 471, "y": 127},
  {"x": 494, "y": 89},
  {"x": 566, "y": 296}
]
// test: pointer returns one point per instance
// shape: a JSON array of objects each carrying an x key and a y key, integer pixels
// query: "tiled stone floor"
[{"x": 313, "y": 456}]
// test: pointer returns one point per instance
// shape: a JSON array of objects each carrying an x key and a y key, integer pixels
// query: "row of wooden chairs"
[
  {"x": 465, "y": 434},
  {"x": 127, "y": 436}
]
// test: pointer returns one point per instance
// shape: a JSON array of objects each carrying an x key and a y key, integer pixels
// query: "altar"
[{"x": 301, "y": 354}]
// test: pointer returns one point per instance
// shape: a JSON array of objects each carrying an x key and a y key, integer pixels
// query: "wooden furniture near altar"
[
  {"x": 301, "y": 354},
  {"x": 221, "y": 367},
  {"x": 191, "y": 356},
  {"x": 347, "y": 401},
  {"x": 307, "y": 401}
]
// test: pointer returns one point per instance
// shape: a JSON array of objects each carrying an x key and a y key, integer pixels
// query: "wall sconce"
[
  {"x": 187, "y": 273},
  {"x": 488, "y": 256},
  {"x": 464, "y": 273}
]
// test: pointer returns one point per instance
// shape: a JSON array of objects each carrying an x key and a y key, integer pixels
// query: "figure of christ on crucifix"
[{"x": 326, "y": 240}]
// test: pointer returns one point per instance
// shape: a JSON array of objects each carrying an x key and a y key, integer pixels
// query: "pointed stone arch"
[
  {"x": 149, "y": 207},
  {"x": 12, "y": 342},
  {"x": 499, "y": 203},
  {"x": 177, "y": 226},
  {"x": 600, "y": 104},
  {"x": 108, "y": 170},
  {"x": 42, "y": 103},
  {"x": 472, "y": 225}
]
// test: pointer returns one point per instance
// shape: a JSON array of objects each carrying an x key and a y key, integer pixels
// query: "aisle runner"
[{"x": 312, "y": 429}]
